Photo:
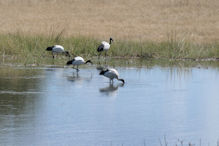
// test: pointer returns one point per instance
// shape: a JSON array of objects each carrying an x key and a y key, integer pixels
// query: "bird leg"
[
  {"x": 53, "y": 55},
  {"x": 99, "y": 55},
  {"x": 77, "y": 69},
  {"x": 111, "y": 81},
  {"x": 105, "y": 54}
]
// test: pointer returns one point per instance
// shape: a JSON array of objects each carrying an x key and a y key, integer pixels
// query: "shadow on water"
[
  {"x": 76, "y": 77},
  {"x": 101, "y": 65},
  {"x": 111, "y": 89}
]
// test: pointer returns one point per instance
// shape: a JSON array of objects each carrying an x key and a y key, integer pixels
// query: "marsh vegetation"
[{"x": 20, "y": 48}]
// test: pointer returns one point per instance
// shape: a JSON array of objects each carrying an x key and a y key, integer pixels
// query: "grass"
[
  {"x": 28, "y": 49},
  {"x": 154, "y": 29},
  {"x": 136, "y": 20}
]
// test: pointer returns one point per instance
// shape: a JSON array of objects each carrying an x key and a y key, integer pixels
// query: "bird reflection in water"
[
  {"x": 101, "y": 66},
  {"x": 77, "y": 78},
  {"x": 111, "y": 89}
]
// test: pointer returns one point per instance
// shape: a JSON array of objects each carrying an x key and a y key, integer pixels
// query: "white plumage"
[
  {"x": 58, "y": 49},
  {"x": 104, "y": 46},
  {"x": 78, "y": 61},
  {"x": 111, "y": 73}
]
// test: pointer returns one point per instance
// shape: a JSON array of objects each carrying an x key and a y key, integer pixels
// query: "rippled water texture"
[{"x": 57, "y": 106}]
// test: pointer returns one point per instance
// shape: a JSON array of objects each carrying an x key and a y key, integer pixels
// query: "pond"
[{"x": 158, "y": 104}]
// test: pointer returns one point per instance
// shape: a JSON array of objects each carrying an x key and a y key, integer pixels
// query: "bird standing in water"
[
  {"x": 111, "y": 73},
  {"x": 78, "y": 61}
]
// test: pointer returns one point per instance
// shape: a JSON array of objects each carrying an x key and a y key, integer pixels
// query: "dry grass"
[{"x": 141, "y": 20}]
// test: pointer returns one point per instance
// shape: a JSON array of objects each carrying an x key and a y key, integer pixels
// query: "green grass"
[{"x": 24, "y": 49}]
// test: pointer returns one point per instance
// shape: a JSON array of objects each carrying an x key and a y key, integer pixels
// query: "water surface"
[{"x": 57, "y": 106}]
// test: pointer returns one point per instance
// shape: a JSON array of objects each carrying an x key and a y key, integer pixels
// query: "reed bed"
[{"x": 31, "y": 49}]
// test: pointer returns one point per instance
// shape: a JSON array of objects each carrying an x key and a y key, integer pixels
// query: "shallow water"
[{"x": 57, "y": 106}]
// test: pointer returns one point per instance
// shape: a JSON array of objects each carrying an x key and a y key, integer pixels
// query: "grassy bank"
[
  {"x": 31, "y": 49},
  {"x": 154, "y": 29}
]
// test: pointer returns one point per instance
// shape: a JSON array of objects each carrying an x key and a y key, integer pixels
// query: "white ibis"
[
  {"x": 111, "y": 74},
  {"x": 104, "y": 46},
  {"x": 78, "y": 61},
  {"x": 58, "y": 49}
]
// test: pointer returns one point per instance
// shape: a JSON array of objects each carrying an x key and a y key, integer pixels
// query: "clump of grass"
[{"x": 28, "y": 49}]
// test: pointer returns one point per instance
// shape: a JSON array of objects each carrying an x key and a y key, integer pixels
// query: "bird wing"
[
  {"x": 114, "y": 71},
  {"x": 78, "y": 61},
  {"x": 106, "y": 45},
  {"x": 111, "y": 73},
  {"x": 58, "y": 48},
  {"x": 100, "y": 48},
  {"x": 79, "y": 58}
]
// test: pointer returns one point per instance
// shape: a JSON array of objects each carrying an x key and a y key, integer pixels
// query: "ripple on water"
[{"x": 20, "y": 92}]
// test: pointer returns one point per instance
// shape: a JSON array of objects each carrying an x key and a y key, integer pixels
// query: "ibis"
[
  {"x": 57, "y": 49},
  {"x": 104, "y": 46},
  {"x": 78, "y": 61},
  {"x": 111, "y": 73}
]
